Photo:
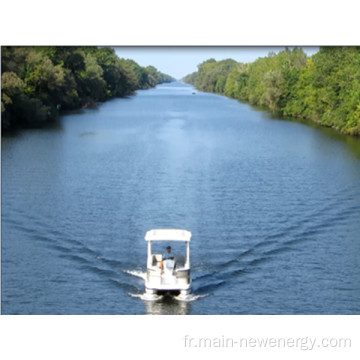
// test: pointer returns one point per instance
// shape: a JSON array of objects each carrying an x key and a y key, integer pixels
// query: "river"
[{"x": 273, "y": 207}]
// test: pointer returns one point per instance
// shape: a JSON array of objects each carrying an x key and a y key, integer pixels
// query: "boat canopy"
[{"x": 168, "y": 235}]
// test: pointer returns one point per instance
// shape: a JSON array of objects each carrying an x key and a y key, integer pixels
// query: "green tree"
[
  {"x": 324, "y": 88},
  {"x": 236, "y": 83},
  {"x": 120, "y": 79},
  {"x": 212, "y": 75},
  {"x": 191, "y": 78},
  {"x": 42, "y": 78},
  {"x": 328, "y": 89},
  {"x": 11, "y": 89},
  {"x": 92, "y": 84}
]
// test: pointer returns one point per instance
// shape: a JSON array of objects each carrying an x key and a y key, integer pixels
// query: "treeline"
[
  {"x": 39, "y": 82},
  {"x": 324, "y": 88}
]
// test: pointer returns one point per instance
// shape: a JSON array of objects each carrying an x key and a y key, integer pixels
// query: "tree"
[
  {"x": 273, "y": 89},
  {"x": 43, "y": 78},
  {"x": 120, "y": 79},
  {"x": 92, "y": 84},
  {"x": 212, "y": 75},
  {"x": 324, "y": 88},
  {"x": 11, "y": 88}
]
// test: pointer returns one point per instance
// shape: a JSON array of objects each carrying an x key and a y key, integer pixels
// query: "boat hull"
[{"x": 159, "y": 282}]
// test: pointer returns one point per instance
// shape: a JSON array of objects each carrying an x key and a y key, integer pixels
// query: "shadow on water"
[
  {"x": 51, "y": 126},
  {"x": 352, "y": 142}
]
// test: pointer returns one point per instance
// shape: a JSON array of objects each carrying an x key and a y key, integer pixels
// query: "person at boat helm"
[{"x": 168, "y": 254}]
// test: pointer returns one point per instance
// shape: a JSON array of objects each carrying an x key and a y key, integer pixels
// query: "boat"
[{"x": 168, "y": 274}]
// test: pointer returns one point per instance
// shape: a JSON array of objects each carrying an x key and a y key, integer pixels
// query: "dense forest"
[
  {"x": 39, "y": 82},
  {"x": 324, "y": 88}
]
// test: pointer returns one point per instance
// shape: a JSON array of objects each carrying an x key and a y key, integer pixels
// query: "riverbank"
[
  {"x": 323, "y": 88},
  {"x": 39, "y": 83}
]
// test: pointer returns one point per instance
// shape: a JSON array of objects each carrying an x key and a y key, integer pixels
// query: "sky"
[{"x": 179, "y": 61}]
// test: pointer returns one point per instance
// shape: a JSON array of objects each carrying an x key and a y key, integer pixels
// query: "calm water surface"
[{"x": 273, "y": 206}]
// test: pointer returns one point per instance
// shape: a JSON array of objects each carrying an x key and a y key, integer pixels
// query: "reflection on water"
[
  {"x": 167, "y": 306},
  {"x": 352, "y": 143}
]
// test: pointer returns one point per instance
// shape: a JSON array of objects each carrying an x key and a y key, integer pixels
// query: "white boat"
[{"x": 168, "y": 274}]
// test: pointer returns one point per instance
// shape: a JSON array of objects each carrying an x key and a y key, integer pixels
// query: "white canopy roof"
[{"x": 168, "y": 235}]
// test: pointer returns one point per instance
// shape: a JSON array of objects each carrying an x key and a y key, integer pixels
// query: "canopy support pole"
[
  {"x": 187, "y": 264},
  {"x": 149, "y": 256}
]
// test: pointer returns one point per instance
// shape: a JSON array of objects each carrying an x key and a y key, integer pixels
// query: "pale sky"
[{"x": 179, "y": 61}]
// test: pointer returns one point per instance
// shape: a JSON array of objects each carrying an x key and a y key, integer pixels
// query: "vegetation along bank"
[
  {"x": 37, "y": 83},
  {"x": 324, "y": 88}
]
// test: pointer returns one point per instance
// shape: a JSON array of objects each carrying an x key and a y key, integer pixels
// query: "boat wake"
[
  {"x": 189, "y": 297},
  {"x": 155, "y": 297},
  {"x": 147, "y": 297},
  {"x": 137, "y": 273}
]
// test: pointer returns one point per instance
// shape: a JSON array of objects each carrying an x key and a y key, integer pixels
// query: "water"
[{"x": 273, "y": 207}]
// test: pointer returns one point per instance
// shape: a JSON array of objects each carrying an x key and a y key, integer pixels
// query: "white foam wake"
[
  {"x": 137, "y": 273},
  {"x": 189, "y": 297},
  {"x": 147, "y": 297}
]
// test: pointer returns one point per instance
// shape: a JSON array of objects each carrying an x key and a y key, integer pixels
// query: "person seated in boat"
[{"x": 167, "y": 256}]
